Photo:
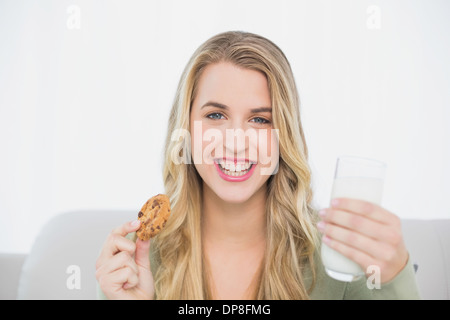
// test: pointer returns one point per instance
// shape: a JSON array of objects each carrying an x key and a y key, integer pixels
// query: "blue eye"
[
  {"x": 215, "y": 116},
  {"x": 260, "y": 120}
]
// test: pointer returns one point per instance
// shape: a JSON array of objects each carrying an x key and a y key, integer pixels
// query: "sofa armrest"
[
  {"x": 10, "y": 275},
  {"x": 428, "y": 242}
]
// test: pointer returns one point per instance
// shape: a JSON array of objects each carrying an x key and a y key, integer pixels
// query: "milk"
[{"x": 368, "y": 189}]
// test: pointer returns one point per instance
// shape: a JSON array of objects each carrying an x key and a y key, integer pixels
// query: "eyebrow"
[{"x": 224, "y": 107}]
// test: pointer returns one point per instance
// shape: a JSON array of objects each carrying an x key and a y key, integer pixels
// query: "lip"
[
  {"x": 235, "y": 179},
  {"x": 235, "y": 160}
]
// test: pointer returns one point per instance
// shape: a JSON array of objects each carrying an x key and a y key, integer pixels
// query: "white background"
[{"x": 86, "y": 88}]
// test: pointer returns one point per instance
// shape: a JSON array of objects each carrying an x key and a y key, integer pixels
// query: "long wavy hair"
[{"x": 291, "y": 234}]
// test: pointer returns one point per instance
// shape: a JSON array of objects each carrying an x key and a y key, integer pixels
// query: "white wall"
[{"x": 86, "y": 88}]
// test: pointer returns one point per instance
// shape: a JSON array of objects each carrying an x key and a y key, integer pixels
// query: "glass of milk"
[{"x": 356, "y": 178}]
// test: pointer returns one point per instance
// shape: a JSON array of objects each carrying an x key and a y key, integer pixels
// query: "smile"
[{"x": 234, "y": 171}]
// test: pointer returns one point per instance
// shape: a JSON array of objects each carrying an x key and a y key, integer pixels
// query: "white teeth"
[
  {"x": 235, "y": 167},
  {"x": 233, "y": 170}
]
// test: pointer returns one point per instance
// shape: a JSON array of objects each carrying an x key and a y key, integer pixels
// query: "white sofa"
[{"x": 61, "y": 263}]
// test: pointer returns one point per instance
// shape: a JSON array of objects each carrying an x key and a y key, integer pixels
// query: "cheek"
[
  {"x": 197, "y": 148},
  {"x": 206, "y": 144},
  {"x": 268, "y": 151},
  {"x": 212, "y": 145}
]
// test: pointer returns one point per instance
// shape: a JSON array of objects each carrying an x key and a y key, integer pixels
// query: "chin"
[
  {"x": 230, "y": 192},
  {"x": 235, "y": 196}
]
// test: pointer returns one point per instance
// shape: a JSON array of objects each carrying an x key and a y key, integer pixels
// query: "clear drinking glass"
[{"x": 356, "y": 178}]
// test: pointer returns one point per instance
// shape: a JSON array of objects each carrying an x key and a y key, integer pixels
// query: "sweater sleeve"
[{"x": 402, "y": 287}]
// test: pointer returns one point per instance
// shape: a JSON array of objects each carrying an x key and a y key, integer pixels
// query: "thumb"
[{"x": 142, "y": 254}]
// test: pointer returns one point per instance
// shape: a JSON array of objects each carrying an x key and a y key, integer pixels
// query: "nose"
[{"x": 239, "y": 143}]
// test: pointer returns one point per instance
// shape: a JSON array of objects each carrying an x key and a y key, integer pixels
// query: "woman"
[{"x": 236, "y": 172}]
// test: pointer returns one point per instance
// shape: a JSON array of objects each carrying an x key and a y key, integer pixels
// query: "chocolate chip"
[
  {"x": 140, "y": 214},
  {"x": 155, "y": 203}
]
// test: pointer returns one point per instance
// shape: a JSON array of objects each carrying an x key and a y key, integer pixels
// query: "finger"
[
  {"x": 114, "y": 281},
  {"x": 359, "y": 223},
  {"x": 360, "y": 257},
  {"x": 127, "y": 227},
  {"x": 365, "y": 208},
  {"x": 113, "y": 246},
  {"x": 365, "y": 261},
  {"x": 131, "y": 282},
  {"x": 371, "y": 247},
  {"x": 116, "y": 262},
  {"x": 142, "y": 255},
  {"x": 115, "y": 243}
]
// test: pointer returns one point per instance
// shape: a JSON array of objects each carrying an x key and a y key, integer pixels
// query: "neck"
[{"x": 234, "y": 225}]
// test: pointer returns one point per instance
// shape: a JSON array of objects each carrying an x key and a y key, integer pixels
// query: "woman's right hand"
[{"x": 123, "y": 267}]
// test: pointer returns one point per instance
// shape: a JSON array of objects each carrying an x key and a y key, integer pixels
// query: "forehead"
[{"x": 233, "y": 86}]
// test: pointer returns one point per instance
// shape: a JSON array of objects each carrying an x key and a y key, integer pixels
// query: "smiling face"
[{"x": 235, "y": 148}]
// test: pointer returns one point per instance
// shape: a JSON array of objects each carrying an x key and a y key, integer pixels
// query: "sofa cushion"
[
  {"x": 61, "y": 263},
  {"x": 428, "y": 242}
]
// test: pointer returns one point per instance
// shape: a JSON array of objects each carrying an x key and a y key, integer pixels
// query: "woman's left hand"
[{"x": 365, "y": 233}]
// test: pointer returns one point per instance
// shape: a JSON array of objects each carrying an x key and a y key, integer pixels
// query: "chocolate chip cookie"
[{"x": 153, "y": 216}]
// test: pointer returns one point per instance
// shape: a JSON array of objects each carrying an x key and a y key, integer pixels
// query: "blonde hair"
[{"x": 291, "y": 233}]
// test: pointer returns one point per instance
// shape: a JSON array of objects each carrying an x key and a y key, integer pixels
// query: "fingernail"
[
  {"x": 322, "y": 213},
  {"x": 321, "y": 225},
  {"x": 326, "y": 239},
  {"x": 335, "y": 202},
  {"x": 135, "y": 223}
]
